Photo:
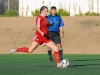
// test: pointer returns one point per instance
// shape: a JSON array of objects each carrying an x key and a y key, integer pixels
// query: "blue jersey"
[{"x": 55, "y": 23}]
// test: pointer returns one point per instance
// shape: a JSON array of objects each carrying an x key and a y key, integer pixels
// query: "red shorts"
[{"x": 41, "y": 39}]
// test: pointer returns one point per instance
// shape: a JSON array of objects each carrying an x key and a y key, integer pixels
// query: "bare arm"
[{"x": 61, "y": 32}]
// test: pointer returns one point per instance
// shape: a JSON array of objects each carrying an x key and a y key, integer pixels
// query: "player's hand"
[
  {"x": 42, "y": 33},
  {"x": 62, "y": 35}
]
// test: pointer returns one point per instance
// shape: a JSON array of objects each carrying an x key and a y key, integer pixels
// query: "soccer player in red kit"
[{"x": 41, "y": 36}]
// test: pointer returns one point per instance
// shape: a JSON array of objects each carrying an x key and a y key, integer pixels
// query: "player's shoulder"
[
  {"x": 58, "y": 15},
  {"x": 39, "y": 17}
]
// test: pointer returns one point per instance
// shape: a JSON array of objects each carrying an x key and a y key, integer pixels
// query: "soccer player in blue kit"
[{"x": 56, "y": 31}]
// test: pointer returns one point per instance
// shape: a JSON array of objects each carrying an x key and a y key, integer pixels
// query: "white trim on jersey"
[{"x": 38, "y": 22}]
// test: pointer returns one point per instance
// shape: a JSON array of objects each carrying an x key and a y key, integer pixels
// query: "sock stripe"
[{"x": 60, "y": 49}]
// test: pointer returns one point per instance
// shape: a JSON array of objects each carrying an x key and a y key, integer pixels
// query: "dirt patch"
[{"x": 81, "y": 34}]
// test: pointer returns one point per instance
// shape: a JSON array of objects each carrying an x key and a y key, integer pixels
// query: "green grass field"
[{"x": 22, "y": 64}]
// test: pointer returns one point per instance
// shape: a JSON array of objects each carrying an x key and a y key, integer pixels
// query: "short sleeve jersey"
[
  {"x": 55, "y": 23},
  {"x": 43, "y": 22}
]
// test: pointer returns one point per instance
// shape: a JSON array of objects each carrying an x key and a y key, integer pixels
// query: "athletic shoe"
[
  {"x": 51, "y": 59},
  {"x": 13, "y": 51},
  {"x": 59, "y": 65}
]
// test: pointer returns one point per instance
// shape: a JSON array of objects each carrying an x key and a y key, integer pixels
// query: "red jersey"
[{"x": 43, "y": 22}]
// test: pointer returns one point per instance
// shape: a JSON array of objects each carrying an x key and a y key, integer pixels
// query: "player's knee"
[
  {"x": 30, "y": 51},
  {"x": 59, "y": 46},
  {"x": 55, "y": 48}
]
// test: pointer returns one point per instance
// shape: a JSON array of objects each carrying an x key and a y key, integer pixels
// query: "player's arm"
[
  {"x": 61, "y": 32},
  {"x": 61, "y": 28},
  {"x": 38, "y": 26},
  {"x": 39, "y": 30}
]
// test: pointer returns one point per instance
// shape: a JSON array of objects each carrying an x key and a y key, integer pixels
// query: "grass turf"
[{"x": 22, "y": 64}]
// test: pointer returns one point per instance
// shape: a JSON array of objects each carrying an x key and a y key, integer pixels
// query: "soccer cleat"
[
  {"x": 59, "y": 65},
  {"x": 13, "y": 51},
  {"x": 51, "y": 59}
]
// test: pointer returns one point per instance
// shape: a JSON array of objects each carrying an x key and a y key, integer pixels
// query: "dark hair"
[
  {"x": 42, "y": 8},
  {"x": 53, "y": 7}
]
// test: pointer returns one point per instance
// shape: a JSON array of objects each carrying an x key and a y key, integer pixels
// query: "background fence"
[{"x": 74, "y": 7}]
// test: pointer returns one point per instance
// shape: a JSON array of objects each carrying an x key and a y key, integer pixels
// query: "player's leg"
[
  {"x": 25, "y": 49},
  {"x": 57, "y": 41},
  {"x": 53, "y": 46},
  {"x": 49, "y": 50},
  {"x": 50, "y": 53},
  {"x": 60, "y": 50},
  {"x": 34, "y": 45}
]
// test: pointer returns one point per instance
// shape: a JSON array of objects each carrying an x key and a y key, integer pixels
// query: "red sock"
[
  {"x": 57, "y": 57},
  {"x": 23, "y": 49}
]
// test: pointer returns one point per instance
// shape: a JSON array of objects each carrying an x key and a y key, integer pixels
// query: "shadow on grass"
[
  {"x": 87, "y": 60},
  {"x": 74, "y": 66}
]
